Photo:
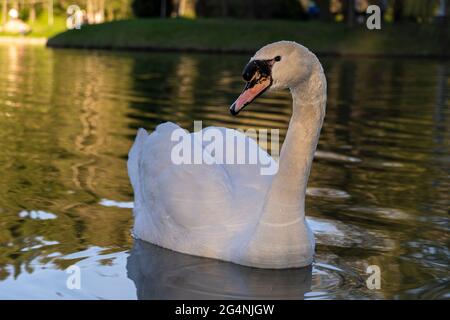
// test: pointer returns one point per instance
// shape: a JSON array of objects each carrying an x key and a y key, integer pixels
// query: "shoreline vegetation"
[
  {"x": 215, "y": 35},
  {"x": 245, "y": 36}
]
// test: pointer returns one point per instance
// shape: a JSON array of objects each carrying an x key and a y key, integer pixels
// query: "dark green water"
[{"x": 378, "y": 193}]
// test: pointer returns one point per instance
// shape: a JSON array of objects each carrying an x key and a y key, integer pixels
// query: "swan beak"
[{"x": 257, "y": 73}]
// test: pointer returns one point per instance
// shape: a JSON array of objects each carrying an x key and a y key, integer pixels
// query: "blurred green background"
[{"x": 412, "y": 27}]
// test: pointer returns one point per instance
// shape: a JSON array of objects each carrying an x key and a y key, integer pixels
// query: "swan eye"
[{"x": 277, "y": 58}]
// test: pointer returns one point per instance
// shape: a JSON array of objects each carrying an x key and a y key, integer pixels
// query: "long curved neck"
[{"x": 285, "y": 201}]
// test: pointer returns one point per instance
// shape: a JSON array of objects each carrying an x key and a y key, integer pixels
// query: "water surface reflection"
[{"x": 164, "y": 274}]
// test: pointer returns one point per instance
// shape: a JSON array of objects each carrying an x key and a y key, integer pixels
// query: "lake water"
[{"x": 378, "y": 192}]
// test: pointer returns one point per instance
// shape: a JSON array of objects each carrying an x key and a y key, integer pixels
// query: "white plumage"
[{"x": 230, "y": 211}]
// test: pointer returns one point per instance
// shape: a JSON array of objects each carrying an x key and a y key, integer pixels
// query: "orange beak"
[{"x": 257, "y": 73}]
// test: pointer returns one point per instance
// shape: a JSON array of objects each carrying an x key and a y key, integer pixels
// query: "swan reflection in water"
[{"x": 159, "y": 273}]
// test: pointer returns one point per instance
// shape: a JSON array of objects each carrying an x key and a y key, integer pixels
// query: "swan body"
[{"x": 232, "y": 212}]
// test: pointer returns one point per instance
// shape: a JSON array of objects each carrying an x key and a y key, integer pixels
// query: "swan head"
[{"x": 276, "y": 66}]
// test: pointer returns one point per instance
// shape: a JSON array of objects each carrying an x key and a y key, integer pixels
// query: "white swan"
[{"x": 232, "y": 212}]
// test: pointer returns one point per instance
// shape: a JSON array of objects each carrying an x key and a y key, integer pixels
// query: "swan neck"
[{"x": 288, "y": 186}]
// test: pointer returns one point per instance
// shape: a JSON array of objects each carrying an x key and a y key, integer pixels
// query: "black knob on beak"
[
  {"x": 261, "y": 66},
  {"x": 250, "y": 70}
]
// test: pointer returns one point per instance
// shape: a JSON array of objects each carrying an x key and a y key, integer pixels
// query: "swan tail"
[{"x": 134, "y": 160}]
